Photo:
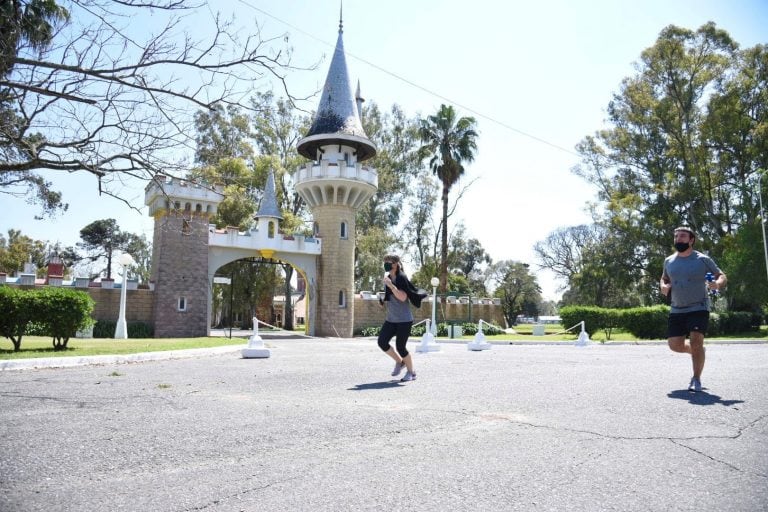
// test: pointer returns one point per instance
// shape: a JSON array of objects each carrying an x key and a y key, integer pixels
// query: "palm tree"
[{"x": 448, "y": 142}]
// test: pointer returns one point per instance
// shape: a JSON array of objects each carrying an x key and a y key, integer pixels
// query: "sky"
[{"x": 537, "y": 76}]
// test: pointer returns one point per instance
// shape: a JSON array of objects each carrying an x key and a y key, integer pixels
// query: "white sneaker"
[
  {"x": 398, "y": 368},
  {"x": 408, "y": 377}
]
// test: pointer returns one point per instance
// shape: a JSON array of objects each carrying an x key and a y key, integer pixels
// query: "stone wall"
[
  {"x": 139, "y": 304},
  {"x": 368, "y": 313},
  {"x": 336, "y": 271},
  {"x": 180, "y": 273}
]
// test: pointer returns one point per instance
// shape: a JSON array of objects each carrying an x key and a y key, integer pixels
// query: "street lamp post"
[
  {"x": 121, "y": 330},
  {"x": 434, "y": 282},
  {"x": 760, "y": 174}
]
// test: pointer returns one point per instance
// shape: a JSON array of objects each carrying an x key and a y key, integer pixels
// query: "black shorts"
[{"x": 681, "y": 324}]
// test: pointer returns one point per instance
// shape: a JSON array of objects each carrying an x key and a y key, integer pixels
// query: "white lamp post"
[
  {"x": 434, "y": 282},
  {"x": 121, "y": 330},
  {"x": 762, "y": 215}
]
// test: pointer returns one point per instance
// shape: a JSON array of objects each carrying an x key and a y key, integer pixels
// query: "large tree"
[
  {"x": 449, "y": 142},
  {"x": 517, "y": 288},
  {"x": 397, "y": 166},
  {"x": 84, "y": 87},
  {"x": 598, "y": 268},
  {"x": 17, "y": 249},
  {"x": 687, "y": 134},
  {"x": 101, "y": 239}
]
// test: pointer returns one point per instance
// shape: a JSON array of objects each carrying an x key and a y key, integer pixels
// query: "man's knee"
[
  {"x": 677, "y": 344},
  {"x": 697, "y": 339}
]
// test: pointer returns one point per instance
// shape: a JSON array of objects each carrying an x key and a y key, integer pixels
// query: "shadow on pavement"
[
  {"x": 377, "y": 385},
  {"x": 702, "y": 398}
]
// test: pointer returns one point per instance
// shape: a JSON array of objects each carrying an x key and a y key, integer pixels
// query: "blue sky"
[{"x": 528, "y": 71}]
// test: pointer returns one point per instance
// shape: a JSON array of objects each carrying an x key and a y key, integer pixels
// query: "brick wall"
[{"x": 139, "y": 304}]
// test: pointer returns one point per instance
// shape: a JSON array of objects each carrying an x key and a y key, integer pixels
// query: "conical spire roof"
[
  {"x": 337, "y": 119},
  {"x": 268, "y": 207}
]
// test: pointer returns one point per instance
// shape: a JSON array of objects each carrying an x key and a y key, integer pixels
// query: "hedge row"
[
  {"x": 651, "y": 322},
  {"x": 467, "y": 328},
  {"x": 59, "y": 312},
  {"x": 106, "y": 329}
]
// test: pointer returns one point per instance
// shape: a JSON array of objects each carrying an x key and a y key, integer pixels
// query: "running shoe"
[
  {"x": 695, "y": 385},
  {"x": 408, "y": 377},
  {"x": 398, "y": 368}
]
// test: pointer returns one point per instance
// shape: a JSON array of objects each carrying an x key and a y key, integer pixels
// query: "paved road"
[{"x": 322, "y": 426}]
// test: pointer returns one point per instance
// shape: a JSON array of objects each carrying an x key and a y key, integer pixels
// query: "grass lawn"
[{"x": 39, "y": 346}]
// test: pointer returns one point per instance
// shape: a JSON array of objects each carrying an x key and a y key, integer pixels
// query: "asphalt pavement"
[{"x": 321, "y": 425}]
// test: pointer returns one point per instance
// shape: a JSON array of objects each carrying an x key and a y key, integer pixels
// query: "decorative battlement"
[
  {"x": 166, "y": 193},
  {"x": 262, "y": 241},
  {"x": 336, "y": 179}
]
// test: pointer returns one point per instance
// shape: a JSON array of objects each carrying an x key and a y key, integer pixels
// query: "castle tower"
[
  {"x": 268, "y": 217},
  {"x": 335, "y": 184},
  {"x": 180, "y": 255}
]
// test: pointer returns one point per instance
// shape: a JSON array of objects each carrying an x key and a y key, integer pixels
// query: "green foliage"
[
  {"x": 101, "y": 239},
  {"x": 684, "y": 143},
  {"x": 733, "y": 322},
  {"x": 63, "y": 312},
  {"x": 648, "y": 323},
  {"x": 448, "y": 141},
  {"x": 594, "y": 318},
  {"x": 17, "y": 249},
  {"x": 55, "y": 312},
  {"x": 136, "y": 330},
  {"x": 517, "y": 288},
  {"x": 17, "y": 312}
]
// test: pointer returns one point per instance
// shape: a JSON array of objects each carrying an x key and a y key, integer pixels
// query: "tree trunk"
[
  {"x": 444, "y": 244},
  {"x": 288, "y": 307}
]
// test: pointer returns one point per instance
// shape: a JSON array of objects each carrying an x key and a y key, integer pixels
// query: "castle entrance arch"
[{"x": 300, "y": 252}]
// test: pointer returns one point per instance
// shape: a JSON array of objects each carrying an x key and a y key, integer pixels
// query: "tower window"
[
  {"x": 271, "y": 230},
  {"x": 343, "y": 232},
  {"x": 182, "y": 306},
  {"x": 342, "y": 299}
]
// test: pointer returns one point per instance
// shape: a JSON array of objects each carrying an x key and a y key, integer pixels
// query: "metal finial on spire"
[{"x": 341, "y": 17}]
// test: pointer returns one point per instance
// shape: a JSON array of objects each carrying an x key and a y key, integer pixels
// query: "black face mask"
[
  {"x": 682, "y": 246},
  {"x": 387, "y": 266}
]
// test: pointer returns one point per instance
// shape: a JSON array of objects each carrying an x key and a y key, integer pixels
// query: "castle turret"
[
  {"x": 180, "y": 254},
  {"x": 335, "y": 184},
  {"x": 268, "y": 217}
]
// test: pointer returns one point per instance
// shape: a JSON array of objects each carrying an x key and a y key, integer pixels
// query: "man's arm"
[{"x": 664, "y": 285}]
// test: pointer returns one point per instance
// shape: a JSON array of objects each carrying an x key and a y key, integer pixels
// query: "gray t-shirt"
[
  {"x": 687, "y": 277},
  {"x": 397, "y": 311}
]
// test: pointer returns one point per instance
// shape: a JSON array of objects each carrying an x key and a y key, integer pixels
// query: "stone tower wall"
[
  {"x": 336, "y": 271},
  {"x": 180, "y": 269}
]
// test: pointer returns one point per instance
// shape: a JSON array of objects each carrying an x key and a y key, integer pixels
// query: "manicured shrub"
[
  {"x": 106, "y": 329},
  {"x": 594, "y": 318},
  {"x": 734, "y": 322},
  {"x": 17, "y": 312},
  {"x": 55, "y": 312},
  {"x": 648, "y": 323},
  {"x": 63, "y": 311}
]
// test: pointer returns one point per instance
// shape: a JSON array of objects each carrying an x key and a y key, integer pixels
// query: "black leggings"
[{"x": 401, "y": 329}]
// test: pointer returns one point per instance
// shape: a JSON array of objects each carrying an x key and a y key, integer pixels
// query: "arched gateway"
[{"x": 187, "y": 250}]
